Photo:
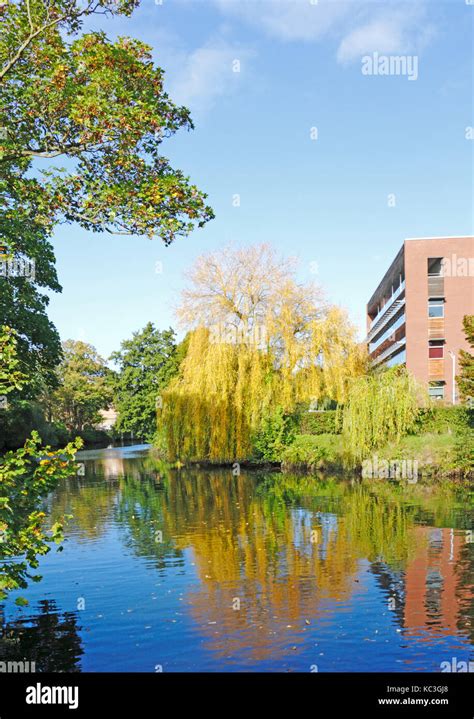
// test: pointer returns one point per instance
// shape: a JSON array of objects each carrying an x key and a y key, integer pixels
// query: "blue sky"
[{"x": 327, "y": 201}]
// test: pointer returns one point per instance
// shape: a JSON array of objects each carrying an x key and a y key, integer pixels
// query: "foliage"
[
  {"x": 100, "y": 104},
  {"x": 277, "y": 431},
  {"x": 84, "y": 387},
  {"x": 440, "y": 420},
  {"x": 382, "y": 407},
  {"x": 465, "y": 379},
  {"x": 326, "y": 422},
  {"x": 258, "y": 341},
  {"x": 26, "y": 477},
  {"x": 20, "y": 419},
  {"x": 464, "y": 452},
  {"x": 146, "y": 364},
  {"x": 11, "y": 377},
  {"x": 310, "y": 452},
  {"x": 437, "y": 455},
  {"x": 23, "y": 296}
]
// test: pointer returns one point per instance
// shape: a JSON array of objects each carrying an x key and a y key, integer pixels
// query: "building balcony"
[
  {"x": 392, "y": 297},
  {"x": 393, "y": 349},
  {"x": 384, "y": 317},
  {"x": 388, "y": 334}
]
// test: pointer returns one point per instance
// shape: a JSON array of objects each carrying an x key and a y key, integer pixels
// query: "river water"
[{"x": 202, "y": 570}]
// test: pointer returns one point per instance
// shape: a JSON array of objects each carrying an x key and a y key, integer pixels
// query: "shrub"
[
  {"x": 443, "y": 420},
  {"x": 310, "y": 451},
  {"x": 320, "y": 422},
  {"x": 276, "y": 432}
]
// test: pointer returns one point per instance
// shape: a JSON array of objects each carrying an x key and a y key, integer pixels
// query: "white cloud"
[
  {"x": 206, "y": 74},
  {"x": 289, "y": 19},
  {"x": 357, "y": 26},
  {"x": 402, "y": 31}
]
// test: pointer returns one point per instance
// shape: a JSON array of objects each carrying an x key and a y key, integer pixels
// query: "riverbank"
[{"x": 425, "y": 456}]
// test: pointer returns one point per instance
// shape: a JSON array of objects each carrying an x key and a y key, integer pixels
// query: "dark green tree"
[
  {"x": 465, "y": 379},
  {"x": 84, "y": 387},
  {"x": 146, "y": 363}
]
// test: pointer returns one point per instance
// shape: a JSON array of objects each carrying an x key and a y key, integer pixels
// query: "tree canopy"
[
  {"x": 102, "y": 106},
  {"x": 259, "y": 340},
  {"x": 84, "y": 387},
  {"x": 26, "y": 477},
  {"x": 145, "y": 365}
]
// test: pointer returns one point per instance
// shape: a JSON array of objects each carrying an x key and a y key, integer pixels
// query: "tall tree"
[
  {"x": 146, "y": 363},
  {"x": 84, "y": 387},
  {"x": 259, "y": 340},
  {"x": 465, "y": 379},
  {"x": 100, "y": 109}
]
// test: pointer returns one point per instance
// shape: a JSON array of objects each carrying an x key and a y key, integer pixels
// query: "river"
[{"x": 203, "y": 570}]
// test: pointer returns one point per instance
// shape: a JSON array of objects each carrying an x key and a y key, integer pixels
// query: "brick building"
[{"x": 415, "y": 315}]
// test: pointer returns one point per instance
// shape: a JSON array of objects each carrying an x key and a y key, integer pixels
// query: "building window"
[
  {"x": 436, "y": 349},
  {"x": 436, "y": 390},
  {"x": 435, "y": 266},
  {"x": 435, "y": 308}
]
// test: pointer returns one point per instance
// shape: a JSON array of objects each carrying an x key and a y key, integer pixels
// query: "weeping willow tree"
[
  {"x": 381, "y": 407},
  {"x": 258, "y": 340}
]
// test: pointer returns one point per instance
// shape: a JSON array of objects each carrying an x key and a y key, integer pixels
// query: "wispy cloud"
[
  {"x": 356, "y": 27},
  {"x": 391, "y": 31},
  {"x": 207, "y": 73}
]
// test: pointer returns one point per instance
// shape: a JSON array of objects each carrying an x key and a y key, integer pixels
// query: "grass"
[{"x": 436, "y": 454}]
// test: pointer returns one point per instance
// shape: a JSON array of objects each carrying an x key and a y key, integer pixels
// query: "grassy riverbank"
[
  {"x": 425, "y": 455},
  {"x": 439, "y": 446}
]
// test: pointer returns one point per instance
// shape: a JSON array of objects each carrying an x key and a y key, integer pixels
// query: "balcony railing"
[
  {"x": 390, "y": 311},
  {"x": 393, "y": 349},
  {"x": 386, "y": 334},
  {"x": 386, "y": 306}
]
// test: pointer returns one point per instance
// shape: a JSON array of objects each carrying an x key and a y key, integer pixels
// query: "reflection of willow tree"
[
  {"x": 379, "y": 530},
  {"x": 251, "y": 539},
  {"x": 140, "y": 509},
  {"x": 243, "y": 550},
  {"x": 48, "y": 638}
]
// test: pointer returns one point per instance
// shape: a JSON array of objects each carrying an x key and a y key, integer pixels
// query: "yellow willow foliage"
[{"x": 212, "y": 409}]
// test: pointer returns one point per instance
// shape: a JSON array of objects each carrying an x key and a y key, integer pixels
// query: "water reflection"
[
  {"x": 49, "y": 639},
  {"x": 275, "y": 563}
]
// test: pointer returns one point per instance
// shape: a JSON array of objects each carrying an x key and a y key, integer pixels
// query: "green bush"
[
  {"x": 464, "y": 452},
  {"x": 309, "y": 451},
  {"x": 326, "y": 422},
  {"x": 443, "y": 420},
  {"x": 277, "y": 431}
]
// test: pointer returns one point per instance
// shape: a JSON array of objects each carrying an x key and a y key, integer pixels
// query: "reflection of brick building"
[
  {"x": 434, "y": 595},
  {"x": 414, "y": 317}
]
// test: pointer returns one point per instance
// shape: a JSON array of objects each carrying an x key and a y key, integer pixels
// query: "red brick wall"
[{"x": 459, "y": 301}]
